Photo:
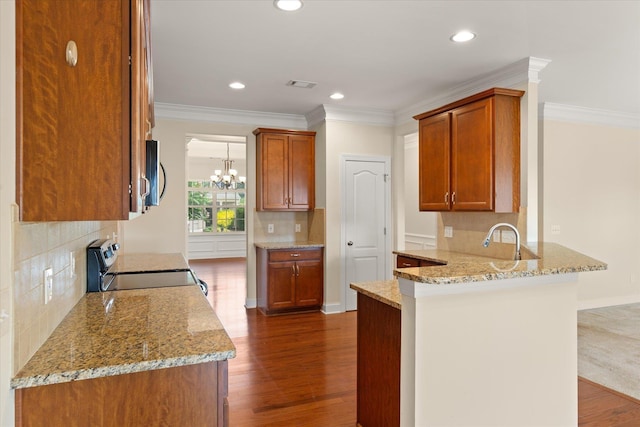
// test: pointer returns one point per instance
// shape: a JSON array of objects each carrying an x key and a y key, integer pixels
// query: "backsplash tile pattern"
[{"x": 38, "y": 246}]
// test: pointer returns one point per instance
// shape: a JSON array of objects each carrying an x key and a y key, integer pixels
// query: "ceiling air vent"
[{"x": 301, "y": 83}]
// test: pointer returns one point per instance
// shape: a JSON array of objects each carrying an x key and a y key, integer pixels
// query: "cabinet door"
[
  {"x": 274, "y": 172},
  {"x": 73, "y": 131},
  {"x": 282, "y": 283},
  {"x": 433, "y": 163},
  {"x": 301, "y": 172},
  {"x": 472, "y": 177},
  {"x": 309, "y": 283}
]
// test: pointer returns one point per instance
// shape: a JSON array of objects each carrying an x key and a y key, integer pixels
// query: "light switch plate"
[
  {"x": 297, "y": 228},
  {"x": 448, "y": 231},
  {"x": 48, "y": 285},
  {"x": 508, "y": 236}
]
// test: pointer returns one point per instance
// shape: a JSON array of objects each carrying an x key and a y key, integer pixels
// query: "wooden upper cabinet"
[
  {"x": 469, "y": 154},
  {"x": 79, "y": 130},
  {"x": 286, "y": 170}
]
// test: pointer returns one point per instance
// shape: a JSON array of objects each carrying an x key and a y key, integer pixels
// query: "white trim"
[
  {"x": 575, "y": 114},
  {"x": 333, "y": 308},
  {"x": 344, "y": 158},
  {"x": 251, "y": 303},
  {"x": 608, "y": 302},
  {"x": 355, "y": 115},
  {"x": 419, "y": 241},
  {"x": 411, "y": 289},
  {"x": 525, "y": 70},
  {"x": 217, "y": 245},
  {"x": 222, "y": 115},
  {"x": 411, "y": 141}
]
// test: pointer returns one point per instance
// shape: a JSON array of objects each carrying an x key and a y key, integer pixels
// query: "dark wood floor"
[{"x": 299, "y": 370}]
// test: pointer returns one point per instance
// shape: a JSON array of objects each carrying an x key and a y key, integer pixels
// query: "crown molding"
[
  {"x": 523, "y": 71},
  {"x": 574, "y": 114},
  {"x": 222, "y": 115},
  {"x": 346, "y": 114}
]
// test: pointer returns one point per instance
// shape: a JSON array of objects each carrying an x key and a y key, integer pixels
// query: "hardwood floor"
[{"x": 300, "y": 370}]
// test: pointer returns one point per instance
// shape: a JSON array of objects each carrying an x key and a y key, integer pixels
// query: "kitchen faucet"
[{"x": 487, "y": 239}]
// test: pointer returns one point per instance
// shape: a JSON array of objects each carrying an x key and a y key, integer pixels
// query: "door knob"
[{"x": 350, "y": 243}]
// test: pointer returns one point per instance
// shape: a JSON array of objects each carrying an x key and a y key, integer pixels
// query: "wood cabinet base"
[
  {"x": 192, "y": 395},
  {"x": 378, "y": 363}
]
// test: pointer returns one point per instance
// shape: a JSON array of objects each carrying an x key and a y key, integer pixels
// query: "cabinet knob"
[{"x": 72, "y": 53}]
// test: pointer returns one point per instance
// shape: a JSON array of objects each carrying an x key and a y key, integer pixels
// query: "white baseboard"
[
  {"x": 250, "y": 303},
  {"x": 607, "y": 302},
  {"x": 332, "y": 308}
]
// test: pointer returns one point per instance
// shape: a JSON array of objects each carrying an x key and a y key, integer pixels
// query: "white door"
[{"x": 365, "y": 201}]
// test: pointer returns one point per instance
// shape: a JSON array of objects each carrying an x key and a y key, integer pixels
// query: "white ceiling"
[{"x": 389, "y": 55}]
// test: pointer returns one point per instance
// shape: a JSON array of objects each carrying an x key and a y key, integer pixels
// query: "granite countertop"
[
  {"x": 288, "y": 245},
  {"x": 544, "y": 259},
  {"x": 135, "y": 262},
  {"x": 385, "y": 291},
  {"x": 121, "y": 332}
]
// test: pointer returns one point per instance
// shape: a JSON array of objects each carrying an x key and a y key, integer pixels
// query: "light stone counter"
[
  {"x": 122, "y": 332},
  {"x": 467, "y": 268},
  {"x": 135, "y": 262},
  {"x": 288, "y": 245},
  {"x": 547, "y": 259}
]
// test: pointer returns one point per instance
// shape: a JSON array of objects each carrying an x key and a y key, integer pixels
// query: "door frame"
[{"x": 344, "y": 158}]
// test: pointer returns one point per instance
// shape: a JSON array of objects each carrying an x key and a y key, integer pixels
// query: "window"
[{"x": 215, "y": 210}]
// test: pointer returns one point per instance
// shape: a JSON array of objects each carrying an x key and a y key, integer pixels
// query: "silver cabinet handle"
[
  {"x": 297, "y": 270},
  {"x": 446, "y": 198},
  {"x": 71, "y": 53},
  {"x": 295, "y": 255},
  {"x": 453, "y": 198},
  {"x": 350, "y": 243},
  {"x": 293, "y": 270}
]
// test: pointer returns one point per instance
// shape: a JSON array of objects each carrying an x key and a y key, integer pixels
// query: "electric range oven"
[{"x": 102, "y": 276}]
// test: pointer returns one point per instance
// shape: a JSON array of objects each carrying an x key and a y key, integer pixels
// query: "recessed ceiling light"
[
  {"x": 336, "y": 95},
  {"x": 463, "y": 36},
  {"x": 288, "y": 5},
  {"x": 236, "y": 85}
]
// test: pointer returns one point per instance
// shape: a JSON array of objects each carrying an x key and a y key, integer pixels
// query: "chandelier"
[{"x": 227, "y": 178}]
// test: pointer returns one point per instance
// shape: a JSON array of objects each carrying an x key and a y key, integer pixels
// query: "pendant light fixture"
[{"x": 227, "y": 178}]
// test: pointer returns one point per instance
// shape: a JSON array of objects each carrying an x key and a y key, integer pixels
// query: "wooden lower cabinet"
[
  {"x": 378, "y": 363},
  {"x": 191, "y": 395},
  {"x": 289, "y": 280}
]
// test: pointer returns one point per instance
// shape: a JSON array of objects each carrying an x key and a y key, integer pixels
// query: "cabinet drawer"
[
  {"x": 404, "y": 262},
  {"x": 295, "y": 255}
]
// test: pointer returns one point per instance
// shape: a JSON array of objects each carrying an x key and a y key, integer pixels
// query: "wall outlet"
[
  {"x": 555, "y": 229},
  {"x": 508, "y": 236},
  {"x": 496, "y": 236},
  {"x": 297, "y": 228},
  {"x": 448, "y": 231},
  {"x": 270, "y": 228},
  {"x": 48, "y": 285}
]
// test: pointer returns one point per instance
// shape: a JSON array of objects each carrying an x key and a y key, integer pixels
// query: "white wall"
[
  {"x": 421, "y": 228},
  {"x": 343, "y": 138},
  {"x": 591, "y": 204},
  {"x": 7, "y": 185}
]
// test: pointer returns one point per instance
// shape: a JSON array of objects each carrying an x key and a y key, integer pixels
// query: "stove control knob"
[{"x": 115, "y": 246}]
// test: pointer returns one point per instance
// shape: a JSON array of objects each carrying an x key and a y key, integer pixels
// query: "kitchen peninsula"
[
  {"x": 495, "y": 337},
  {"x": 136, "y": 357}
]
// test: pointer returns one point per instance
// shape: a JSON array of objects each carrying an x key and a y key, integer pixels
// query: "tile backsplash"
[
  {"x": 61, "y": 247},
  {"x": 470, "y": 229}
]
